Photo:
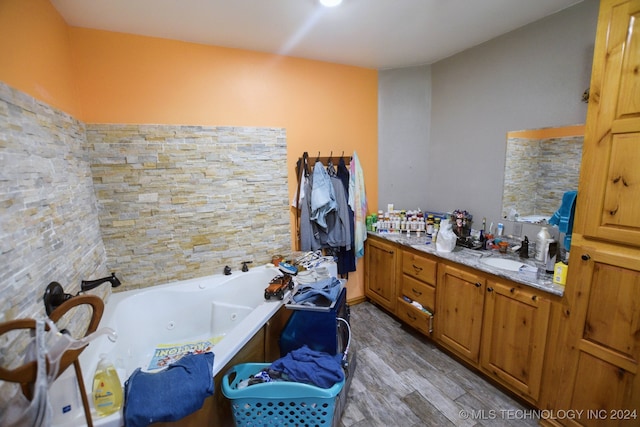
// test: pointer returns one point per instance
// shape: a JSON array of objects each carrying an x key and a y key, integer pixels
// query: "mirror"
[{"x": 540, "y": 166}]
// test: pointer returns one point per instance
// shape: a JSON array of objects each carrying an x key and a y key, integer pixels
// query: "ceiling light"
[{"x": 330, "y": 3}]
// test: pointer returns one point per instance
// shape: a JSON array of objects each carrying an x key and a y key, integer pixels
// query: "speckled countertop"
[{"x": 534, "y": 276}]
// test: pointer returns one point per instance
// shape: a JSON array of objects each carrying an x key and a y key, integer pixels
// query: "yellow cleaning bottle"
[{"x": 107, "y": 391}]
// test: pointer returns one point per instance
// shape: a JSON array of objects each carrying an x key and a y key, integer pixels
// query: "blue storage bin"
[{"x": 278, "y": 403}]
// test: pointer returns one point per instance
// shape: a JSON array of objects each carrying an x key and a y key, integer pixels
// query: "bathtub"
[{"x": 225, "y": 310}]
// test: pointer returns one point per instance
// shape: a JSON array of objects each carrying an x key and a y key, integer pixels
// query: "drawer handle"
[
  {"x": 417, "y": 268},
  {"x": 411, "y": 316},
  {"x": 585, "y": 257},
  {"x": 478, "y": 284},
  {"x": 534, "y": 297},
  {"x": 416, "y": 292},
  {"x": 489, "y": 289},
  {"x": 512, "y": 290}
]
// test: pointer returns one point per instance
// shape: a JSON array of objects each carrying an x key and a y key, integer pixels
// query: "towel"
[
  {"x": 309, "y": 366},
  {"x": 358, "y": 203},
  {"x": 563, "y": 217},
  {"x": 170, "y": 394}
]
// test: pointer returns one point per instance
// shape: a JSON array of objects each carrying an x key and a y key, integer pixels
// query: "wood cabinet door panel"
[
  {"x": 381, "y": 272},
  {"x": 514, "y": 336},
  {"x": 600, "y": 345},
  {"x": 609, "y": 191},
  {"x": 460, "y": 301}
]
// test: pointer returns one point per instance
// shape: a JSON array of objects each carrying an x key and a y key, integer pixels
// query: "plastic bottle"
[
  {"x": 107, "y": 391},
  {"x": 541, "y": 242}
]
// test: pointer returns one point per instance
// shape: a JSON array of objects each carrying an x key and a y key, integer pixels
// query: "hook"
[
  {"x": 318, "y": 158},
  {"x": 330, "y": 157}
]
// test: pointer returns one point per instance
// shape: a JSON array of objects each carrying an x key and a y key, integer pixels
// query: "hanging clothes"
[
  {"x": 358, "y": 202},
  {"x": 323, "y": 198},
  {"x": 346, "y": 259}
]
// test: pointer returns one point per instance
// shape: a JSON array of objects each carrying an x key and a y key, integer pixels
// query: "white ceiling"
[{"x": 367, "y": 33}]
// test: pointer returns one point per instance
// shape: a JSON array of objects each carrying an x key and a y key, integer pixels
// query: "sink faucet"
[{"x": 86, "y": 285}]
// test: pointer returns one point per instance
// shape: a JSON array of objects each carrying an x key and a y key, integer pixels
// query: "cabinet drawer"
[
  {"x": 419, "y": 267},
  {"x": 415, "y": 318},
  {"x": 419, "y": 291}
]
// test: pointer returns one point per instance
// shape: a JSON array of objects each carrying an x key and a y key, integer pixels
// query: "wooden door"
[
  {"x": 609, "y": 191},
  {"x": 514, "y": 336},
  {"x": 601, "y": 348},
  {"x": 381, "y": 272},
  {"x": 460, "y": 301}
]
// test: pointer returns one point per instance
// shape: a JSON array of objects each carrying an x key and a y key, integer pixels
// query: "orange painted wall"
[
  {"x": 35, "y": 53},
  {"x": 107, "y": 77}
]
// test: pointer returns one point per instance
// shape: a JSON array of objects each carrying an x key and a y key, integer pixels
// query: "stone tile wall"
[
  {"x": 538, "y": 172},
  {"x": 153, "y": 203},
  {"x": 177, "y": 202},
  {"x": 49, "y": 228}
]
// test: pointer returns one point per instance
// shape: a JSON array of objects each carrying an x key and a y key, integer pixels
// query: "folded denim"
[
  {"x": 312, "y": 293},
  {"x": 171, "y": 394}
]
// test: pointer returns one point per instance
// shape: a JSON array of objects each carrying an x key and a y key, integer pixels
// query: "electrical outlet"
[{"x": 517, "y": 229}]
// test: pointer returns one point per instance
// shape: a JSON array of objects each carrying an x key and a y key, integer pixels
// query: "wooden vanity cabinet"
[
  {"x": 460, "y": 301},
  {"x": 418, "y": 283},
  {"x": 381, "y": 270},
  {"x": 514, "y": 336}
]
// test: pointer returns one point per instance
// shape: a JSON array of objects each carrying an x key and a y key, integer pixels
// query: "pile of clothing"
[{"x": 303, "y": 365}]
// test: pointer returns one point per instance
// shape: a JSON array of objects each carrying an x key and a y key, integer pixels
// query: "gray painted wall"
[
  {"x": 530, "y": 78},
  {"x": 404, "y": 111}
]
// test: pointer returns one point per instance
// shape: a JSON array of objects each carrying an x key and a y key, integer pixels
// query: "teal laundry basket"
[{"x": 278, "y": 403}]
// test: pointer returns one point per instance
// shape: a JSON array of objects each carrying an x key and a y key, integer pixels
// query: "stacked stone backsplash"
[
  {"x": 177, "y": 202},
  {"x": 152, "y": 203},
  {"x": 49, "y": 228},
  {"x": 539, "y": 171}
]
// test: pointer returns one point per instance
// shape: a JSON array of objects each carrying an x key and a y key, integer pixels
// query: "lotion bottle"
[
  {"x": 541, "y": 242},
  {"x": 106, "y": 391}
]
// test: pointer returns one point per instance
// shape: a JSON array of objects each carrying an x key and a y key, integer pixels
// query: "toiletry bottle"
[
  {"x": 107, "y": 391},
  {"x": 524, "y": 249},
  {"x": 541, "y": 241},
  {"x": 550, "y": 255}
]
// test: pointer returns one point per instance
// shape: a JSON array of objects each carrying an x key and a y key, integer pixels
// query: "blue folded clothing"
[
  {"x": 322, "y": 292},
  {"x": 170, "y": 394},
  {"x": 309, "y": 366}
]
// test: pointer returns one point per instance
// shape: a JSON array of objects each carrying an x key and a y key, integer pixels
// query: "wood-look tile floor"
[{"x": 402, "y": 379}]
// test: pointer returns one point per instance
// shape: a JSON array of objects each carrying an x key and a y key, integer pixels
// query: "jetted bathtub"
[{"x": 224, "y": 310}]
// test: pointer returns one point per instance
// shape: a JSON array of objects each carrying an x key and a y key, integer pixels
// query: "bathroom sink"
[{"x": 503, "y": 263}]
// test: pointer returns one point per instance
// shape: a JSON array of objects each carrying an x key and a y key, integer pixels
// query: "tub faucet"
[
  {"x": 227, "y": 270},
  {"x": 245, "y": 267},
  {"x": 86, "y": 285}
]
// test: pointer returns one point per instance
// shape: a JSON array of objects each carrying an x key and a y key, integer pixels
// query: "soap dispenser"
[
  {"x": 524, "y": 249},
  {"x": 107, "y": 390}
]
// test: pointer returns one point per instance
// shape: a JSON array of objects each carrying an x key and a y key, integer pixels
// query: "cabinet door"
[
  {"x": 601, "y": 342},
  {"x": 381, "y": 273},
  {"x": 514, "y": 336},
  {"x": 460, "y": 300},
  {"x": 609, "y": 190}
]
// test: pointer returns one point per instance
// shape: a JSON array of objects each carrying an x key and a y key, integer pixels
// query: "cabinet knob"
[
  {"x": 586, "y": 257},
  {"x": 534, "y": 297},
  {"x": 478, "y": 284},
  {"x": 512, "y": 290},
  {"x": 489, "y": 289}
]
